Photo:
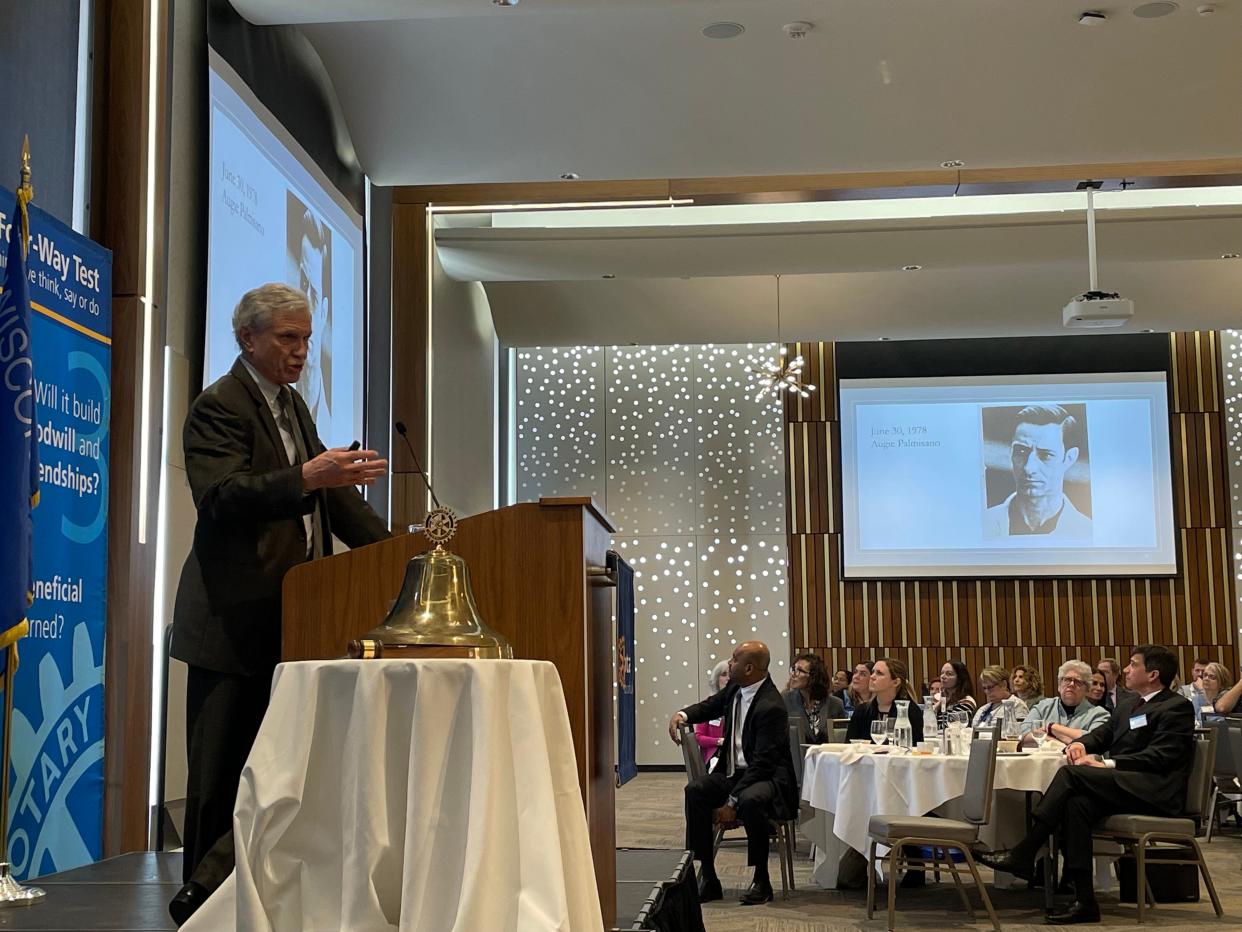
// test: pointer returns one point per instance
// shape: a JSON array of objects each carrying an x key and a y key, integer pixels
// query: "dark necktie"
[
  {"x": 285, "y": 399},
  {"x": 734, "y": 733}
]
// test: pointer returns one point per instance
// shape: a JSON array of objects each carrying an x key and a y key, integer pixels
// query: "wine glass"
[
  {"x": 1037, "y": 732},
  {"x": 879, "y": 732}
]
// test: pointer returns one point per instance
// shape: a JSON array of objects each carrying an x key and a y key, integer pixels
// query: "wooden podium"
[{"x": 538, "y": 575}]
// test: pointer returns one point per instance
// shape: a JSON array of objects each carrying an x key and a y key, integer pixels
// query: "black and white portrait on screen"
[{"x": 1037, "y": 472}]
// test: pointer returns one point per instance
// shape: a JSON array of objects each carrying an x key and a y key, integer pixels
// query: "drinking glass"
[
  {"x": 1038, "y": 732},
  {"x": 879, "y": 732}
]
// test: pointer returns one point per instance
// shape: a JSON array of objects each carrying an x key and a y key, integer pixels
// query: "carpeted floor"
[{"x": 649, "y": 814}]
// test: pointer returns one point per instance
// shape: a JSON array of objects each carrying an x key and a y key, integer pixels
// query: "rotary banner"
[{"x": 56, "y": 800}]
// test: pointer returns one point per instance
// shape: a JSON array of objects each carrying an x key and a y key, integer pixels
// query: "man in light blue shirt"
[{"x": 1067, "y": 715}]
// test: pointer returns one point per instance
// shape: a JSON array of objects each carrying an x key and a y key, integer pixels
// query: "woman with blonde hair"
[{"x": 1219, "y": 692}]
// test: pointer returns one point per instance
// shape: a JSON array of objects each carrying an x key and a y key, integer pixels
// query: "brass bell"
[{"x": 435, "y": 615}]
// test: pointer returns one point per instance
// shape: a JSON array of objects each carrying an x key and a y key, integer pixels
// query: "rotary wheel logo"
[
  {"x": 441, "y": 525},
  {"x": 53, "y": 827}
]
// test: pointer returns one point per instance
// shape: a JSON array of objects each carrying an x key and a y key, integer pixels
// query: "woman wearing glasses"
[
  {"x": 1067, "y": 715},
  {"x": 995, "y": 684},
  {"x": 809, "y": 699}
]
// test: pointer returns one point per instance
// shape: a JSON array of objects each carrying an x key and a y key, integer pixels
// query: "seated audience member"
[
  {"x": 1148, "y": 743},
  {"x": 1219, "y": 693},
  {"x": 889, "y": 682},
  {"x": 709, "y": 734},
  {"x": 840, "y": 683},
  {"x": 1197, "y": 668},
  {"x": 933, "y": 689},
  {"x": 753, "y": 780},
  {"x": 1026, "y": 683},
  {"x": 957, "y": 692},
  {"x": 1114, "y": 690},
  {"x": 1067, "y": 715},
  {"x": 1095, "y": 692},
  {"x": 994, "y": 681},
  {"x": 859, "y": 693},
  {"x": 810, "y": 701}
]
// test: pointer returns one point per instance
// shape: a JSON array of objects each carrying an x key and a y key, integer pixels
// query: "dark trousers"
[
  {"x": 1076, "y": 800},
  {"x": 755, "y": 806},
  {"x": 222, "y": 716}
]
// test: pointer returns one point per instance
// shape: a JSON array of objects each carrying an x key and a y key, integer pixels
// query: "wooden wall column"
[
  {"x": 411, "y": 314},
  {"x": 119, "y": 197},
  {"x": 1040, "y": 622}
]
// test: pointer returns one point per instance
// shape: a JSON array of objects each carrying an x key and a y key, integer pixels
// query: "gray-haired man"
[{"x": 268, "y": 497}]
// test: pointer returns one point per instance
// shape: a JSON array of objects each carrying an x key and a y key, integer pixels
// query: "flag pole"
[{"x": 13, "y": 893}]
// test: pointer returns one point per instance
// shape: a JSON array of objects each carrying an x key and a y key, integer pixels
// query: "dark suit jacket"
[
  {"x": 250, "y": 530},
  {"x": 765, "y": 738},
  {"x": 1153, "y": 762}
]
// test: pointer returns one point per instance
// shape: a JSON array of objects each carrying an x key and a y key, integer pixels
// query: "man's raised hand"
[{"x": 340, "y": 467}]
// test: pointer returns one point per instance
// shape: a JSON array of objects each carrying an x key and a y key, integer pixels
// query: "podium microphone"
[{"x": 400, "y": 425}]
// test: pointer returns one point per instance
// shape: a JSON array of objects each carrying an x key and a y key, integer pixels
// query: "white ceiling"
[
  {"x": 444, "y": 91},
  {"x": 452, "y": 91}
]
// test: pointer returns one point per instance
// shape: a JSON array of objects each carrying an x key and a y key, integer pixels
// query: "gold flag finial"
[{"x": 27, "y": 189}]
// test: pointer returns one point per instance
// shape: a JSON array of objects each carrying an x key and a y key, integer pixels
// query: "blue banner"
[
  {"x": 57, "y": 781},
  {"x": 627, "y": 731}
]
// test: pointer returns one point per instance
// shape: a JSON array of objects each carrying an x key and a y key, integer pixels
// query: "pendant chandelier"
[{"x": 782, "y": 375}]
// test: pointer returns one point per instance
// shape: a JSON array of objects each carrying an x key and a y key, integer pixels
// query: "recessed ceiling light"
[
  {"x": 505, "y": 2},
  {"x": 609, "y": 276},
  {"x": 1091, "y": 18},
  {"x": 1230, "y": 255},
  {"x": 723, "y": 30},
  {"x": 911, "y": 268},
  {"x": 1148, "y": 330},
  {"x": 884, "y": 339},
  {"x": 569, "y": 176},
  {"x": 1155, "y": 9},
  {"x": 952, "y": 163}
]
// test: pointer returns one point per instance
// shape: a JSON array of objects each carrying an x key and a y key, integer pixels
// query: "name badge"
[{"x": 1138, "y": 721}]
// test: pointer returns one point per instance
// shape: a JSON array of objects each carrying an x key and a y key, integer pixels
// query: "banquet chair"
[
  {"x": 781, "y": 830},
  {"x": 1137, "y": 833},
  {"x": 943, "y": 836},
  {"x": 1226, "y": 790}
]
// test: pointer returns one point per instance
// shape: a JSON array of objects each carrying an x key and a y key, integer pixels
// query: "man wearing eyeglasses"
[
  {"x": 1045, "y": 445},
  {"x": 1067, "y": 715}
]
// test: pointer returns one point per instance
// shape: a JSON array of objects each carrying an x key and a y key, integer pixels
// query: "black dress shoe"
[
  {"x": 709, "y": 889},
  {"x": 188, "y": 899},
  {"x": 757, "y": 893},
  {"x": 1075, "y": 913},
  {"x": 1005, "y": 861}
]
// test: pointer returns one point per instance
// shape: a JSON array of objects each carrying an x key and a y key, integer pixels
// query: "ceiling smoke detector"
[
  {"x": 569, "y": 176},
  {"x": 505, "y": 2},
  {"x": 952, "y": 163},
  {"x": 723, "y": 30},
  {"x": 796, "y": 30},
  {"x": 1091, "y": 18}
]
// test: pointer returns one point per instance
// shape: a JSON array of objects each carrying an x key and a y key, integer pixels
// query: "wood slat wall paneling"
[{"x": 1043, "y": 621}]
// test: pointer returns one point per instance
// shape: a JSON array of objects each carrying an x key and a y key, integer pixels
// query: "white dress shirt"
[
  {"x": 271, "y": 394},
  {"x": 742, "y": 702}
]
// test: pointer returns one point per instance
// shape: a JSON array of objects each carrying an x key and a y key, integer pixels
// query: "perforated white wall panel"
[
  {"x": 671, "y": 442},
  {"x": 1231, "y": 375}
]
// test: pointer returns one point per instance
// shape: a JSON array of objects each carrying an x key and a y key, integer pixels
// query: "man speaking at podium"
[{"x": 268, "y": 496}]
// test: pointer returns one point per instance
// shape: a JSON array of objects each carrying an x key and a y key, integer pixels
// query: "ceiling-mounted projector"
[{"x": 1097, "y": 310}]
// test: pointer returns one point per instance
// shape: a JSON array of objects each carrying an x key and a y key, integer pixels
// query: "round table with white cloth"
[
  {"x": 414, "y": 796},
  {"x": 848, "y": 784}
]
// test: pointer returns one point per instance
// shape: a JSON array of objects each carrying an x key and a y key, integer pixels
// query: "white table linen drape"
[
  {"x": 410, "y": 795},
  {"x": 847, "y": 787}
]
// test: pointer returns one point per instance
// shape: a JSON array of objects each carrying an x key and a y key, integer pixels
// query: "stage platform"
[{"x": 130, "y": 893}]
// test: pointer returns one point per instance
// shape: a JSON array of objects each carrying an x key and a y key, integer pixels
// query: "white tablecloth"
[
  {"x": 436, "y": 795},
  {"x": 848, "y": 788}
]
